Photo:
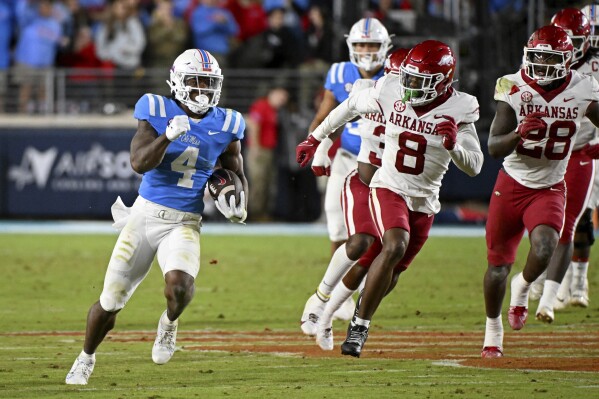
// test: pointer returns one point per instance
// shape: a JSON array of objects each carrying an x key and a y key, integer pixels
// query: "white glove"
[
  {"x": 235, "y": 213},
  {"x": 177, "y": 126},
  {"x": 321, "y": 163}
]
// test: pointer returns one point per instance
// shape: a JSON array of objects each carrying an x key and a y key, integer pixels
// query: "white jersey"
[
  {"x": 540, "y": 161},
  {"x": 372, "y": 130},
  {"x": 414, "y": 159},
  {"x": 587, "y": 131}
]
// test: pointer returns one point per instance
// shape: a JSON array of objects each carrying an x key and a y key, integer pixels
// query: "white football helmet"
[
  {"x": 368, "y": 30},
  {"x": 592, "y": 13},
  {"x": 196, "y": 70}
]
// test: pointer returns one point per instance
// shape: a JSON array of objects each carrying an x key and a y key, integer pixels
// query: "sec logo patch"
[
  {"x": 399, "y": 106},
  {"x": 526, "y": 96}
]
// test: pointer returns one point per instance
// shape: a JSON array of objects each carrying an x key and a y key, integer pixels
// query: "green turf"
[{"x": 255, "y": 284}]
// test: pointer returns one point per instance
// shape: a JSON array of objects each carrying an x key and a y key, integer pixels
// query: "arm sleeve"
[
  {"x": 360, "y": 103},
  {"x": 467, "y": 154}
]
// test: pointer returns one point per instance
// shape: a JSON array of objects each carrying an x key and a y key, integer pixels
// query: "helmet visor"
[{"x": 416, "y": 87}]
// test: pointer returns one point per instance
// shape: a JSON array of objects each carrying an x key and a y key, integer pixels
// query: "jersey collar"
[{"x": 548, "y": 95}]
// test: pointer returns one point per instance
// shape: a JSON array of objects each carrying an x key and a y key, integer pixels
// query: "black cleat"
[{"x": 356, "y": 338}]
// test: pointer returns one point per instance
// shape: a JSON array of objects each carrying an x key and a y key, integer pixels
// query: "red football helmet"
[
  {"x": 577, "y": 26},
  {"x": 394, "y": 60},
  {"x": 427, "y": 72},
  {"x": 548, "y": 54},
  {"x": 592, "y": 13}
]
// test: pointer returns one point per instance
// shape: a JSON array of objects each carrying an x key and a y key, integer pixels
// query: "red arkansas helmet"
[
  {"x": 592, "y": 13},
  {"x": 394, "y": 60},
  {"x": 577, "y": 26},
  {"x": 548, "y": 54},
  {"x": 427, "y": 72}
]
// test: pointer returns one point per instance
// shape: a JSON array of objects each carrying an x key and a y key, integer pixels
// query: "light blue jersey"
[
  {"x": 340, "y": 80},
  {"x": 179, "y": 181}
]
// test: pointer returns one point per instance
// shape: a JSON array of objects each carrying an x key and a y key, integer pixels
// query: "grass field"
[{"x": 240, "y": 336}]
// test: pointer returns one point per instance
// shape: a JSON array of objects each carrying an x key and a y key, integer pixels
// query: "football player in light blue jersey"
[
  {"x": 178, "y": 143},
  {"x": 368, "y": 42}
]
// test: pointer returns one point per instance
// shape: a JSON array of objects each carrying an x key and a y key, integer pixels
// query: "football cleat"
[
  {"x": 324, "y": 338},
  {"x": 346, "y": 311},
  {"x": 517, "y": 316},
  {"x": 545, "y": 314},
  {"x": 164, "y": 345},
  {"x": 580, "y": 292},
  {"x": 561, "y": 303},
  {"x": 491, "y": 352},
  {"x": 312, "y": 312},
  {"x": 356, "y": 338},
  {"x": 80, "y": 372}
]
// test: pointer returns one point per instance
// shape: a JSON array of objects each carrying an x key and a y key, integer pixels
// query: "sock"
[
  {"x": 579, "y": 270},
  {"x": 166, "y": 321},
  {"x": 563, "y": 293},
  {"x": 549, "y": 293},
  {"x": 85, "y": 356},
  {"x": 338, "y": 297},
  {"x": 520, "y": 288},
  {"x": 361, "y": 322},
  {"x": 338, "y": 266},
  {"x": 494, "y": 332}
]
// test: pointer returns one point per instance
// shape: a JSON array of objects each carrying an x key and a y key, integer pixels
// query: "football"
[{"x": 224, "y": 181}]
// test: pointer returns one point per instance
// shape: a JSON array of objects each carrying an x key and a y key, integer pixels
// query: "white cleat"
[
  {"x": 346, "y": 311},
  {"x": 164, "y": 345},
  {"x": 545, "y": 314},
  {"x": 561, "y": 303},
  {"x": 324, "y": 338},
  {"x": 312, "y": 312},
  {"x": 580, "y": 293},
  {"x": 80, "y": 372}
]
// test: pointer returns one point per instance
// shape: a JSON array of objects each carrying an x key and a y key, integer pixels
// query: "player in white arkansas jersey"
[
  {"x": 574, "y": 289},
  {"x": 368, "y": 42},
  {"x": 178, "y": 144},
  {"x": 539, "y": 112},
  {"x": 428, "y": 125},
  {"x": 352, "y": 259},
  {"x": 579, "y": 178}
]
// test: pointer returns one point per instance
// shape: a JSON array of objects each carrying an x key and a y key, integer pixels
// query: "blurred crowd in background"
[{"x": 100, "y": 56}]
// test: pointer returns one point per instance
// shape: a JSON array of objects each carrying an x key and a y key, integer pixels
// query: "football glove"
[
  {"x": 235, "y": 213},
  {"x": 177, "y": 126},
  {"x": 449, "y": 131},
  {"x": 321, "y": 164},
  {"x": 305, "y": 150},
  {"x": 532, "y": 121}
]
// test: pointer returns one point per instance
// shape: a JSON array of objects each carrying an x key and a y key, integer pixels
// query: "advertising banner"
[{"x": 66, "y": 172}]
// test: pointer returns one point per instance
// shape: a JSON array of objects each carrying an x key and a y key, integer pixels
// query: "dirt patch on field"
[
  {"x": 570, "y": 351},
  {"x": 564, "y": 351}
]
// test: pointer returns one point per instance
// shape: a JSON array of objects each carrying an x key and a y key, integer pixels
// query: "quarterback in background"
[
  {"x": 178, "y": 144},
  {"x": 368, "y": 42},
  {"x": 539, "y": 112}
]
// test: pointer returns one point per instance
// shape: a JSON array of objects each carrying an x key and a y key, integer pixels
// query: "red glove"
[
  {"x": 591, "y": 150},
  {"x": 305, "y": 150},
  {"x": 449, "y": 131},
  {"x": 531, "y": 122}
]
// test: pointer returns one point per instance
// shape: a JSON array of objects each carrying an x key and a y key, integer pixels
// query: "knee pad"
[
  {"x": 586, "y": 229},
  {"x": 114, "y": 297}
]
